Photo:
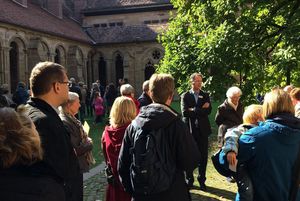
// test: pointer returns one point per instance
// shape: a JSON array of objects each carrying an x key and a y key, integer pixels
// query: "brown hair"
[
  {"x": 122, "y": 112},
  {"x": 161, "y": 87},
  {"x": 19, "y": 144},
  {"x": 295, "y": 93},
  {"x": 43, "y": 75},
  {"x": 277, "y": 101}
]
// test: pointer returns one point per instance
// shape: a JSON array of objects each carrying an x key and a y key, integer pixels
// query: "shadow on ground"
[{"x": 212, "y": 194}]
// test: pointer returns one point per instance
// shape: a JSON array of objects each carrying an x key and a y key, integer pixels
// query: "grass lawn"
[{"x": 218, "y": 187}]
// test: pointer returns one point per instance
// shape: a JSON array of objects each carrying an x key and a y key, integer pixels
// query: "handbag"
[
  {"x": 221, "y": 168},
  {"x": 109, "y": 175}
]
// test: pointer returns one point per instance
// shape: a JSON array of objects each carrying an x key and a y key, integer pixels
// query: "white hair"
[
  {"x": 126, "y": 89},
  {"x": 233, "y": 91},
  {"x": 146, "y": 86},
  {"x": 72, "y": 96}
]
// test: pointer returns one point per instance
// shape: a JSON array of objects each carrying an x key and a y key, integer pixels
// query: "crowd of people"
[{"x": 150, "y": 150}]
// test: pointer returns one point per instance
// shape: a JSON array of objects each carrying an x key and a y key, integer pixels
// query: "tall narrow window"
[
  {"x": 119, "y": 68},
  {"x": 149, "y": 70},
  {"x": 102, "y": 71},
  {"x": 14, "y": 65}
]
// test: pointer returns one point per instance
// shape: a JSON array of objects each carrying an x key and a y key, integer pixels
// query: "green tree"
[{"x": 252, "y": 44}]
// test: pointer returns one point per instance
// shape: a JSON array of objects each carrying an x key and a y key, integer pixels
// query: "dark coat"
[
  {"x": 75, "y": 129},
  {"x": 184, "y": 148},
  {"x": 227, "y": 117},
  {"x": 144, "y": 100},
  {"x": 200, "y": 114},
  {"x": 59, "y": 159},
  {"x": 18, "y": 183},
  {"x": 112, "y": 139}
]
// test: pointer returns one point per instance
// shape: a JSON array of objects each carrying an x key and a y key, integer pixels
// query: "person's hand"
[
  {"x": 206, "y": 105},
  {"x": 231, "y": 158},
  {"x": 89, "y": 140}
]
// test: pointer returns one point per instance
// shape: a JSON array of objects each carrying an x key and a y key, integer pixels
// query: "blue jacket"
[{"x": 269, "y": 152}]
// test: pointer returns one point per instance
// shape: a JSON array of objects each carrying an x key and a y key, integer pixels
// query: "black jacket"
[
  {"x": 144, "y": 99},
  {"x": 200, "y": 114},
  {"x": 227, "y": 117},
  {"x": 183, "y": 147},
  {"x": 59, "y": 159}
]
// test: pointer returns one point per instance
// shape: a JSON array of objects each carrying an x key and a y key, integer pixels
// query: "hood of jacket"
[
  {"x": 155, "y": 116},
  {"x": 285, "y": 124},
  {"x": 115, "y": 135}
]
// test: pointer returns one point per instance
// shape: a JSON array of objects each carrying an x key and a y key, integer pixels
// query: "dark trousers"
[
  {"x": 82, "y": 112},
  {"x": 202, "y": 143},
  {"x": 244, "y": 183}
]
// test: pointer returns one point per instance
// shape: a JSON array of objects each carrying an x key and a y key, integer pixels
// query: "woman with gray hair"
[
  {"x": 80, "y": 141},
  {"x": 229, "y": 113},
  {"x": 128, "y": 91}
]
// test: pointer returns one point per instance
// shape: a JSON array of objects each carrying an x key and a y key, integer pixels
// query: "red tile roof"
[{"x": 36, "y": 18}]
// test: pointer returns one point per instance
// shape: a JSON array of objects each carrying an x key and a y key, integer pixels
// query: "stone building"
[{"x": 95, "y": 39}]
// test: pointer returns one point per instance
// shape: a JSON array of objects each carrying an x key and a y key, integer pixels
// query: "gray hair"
[
  {"x": 126, "y": 89},
  {"x": 192, "y": 77},
  {"x": 233, "y": 91},
  {"x": 146, "y": 86},
  {"x": 71, "y": 98}
]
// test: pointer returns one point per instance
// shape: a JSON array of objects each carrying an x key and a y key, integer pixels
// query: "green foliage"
[{"x": 252, "y": 44}]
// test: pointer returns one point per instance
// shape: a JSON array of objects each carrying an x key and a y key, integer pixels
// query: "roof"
[
  {"x": 127, "y": 9},
  {"x": 36, "y": 18},
  {"x": 125, "y": 34},
  {"x": 99, "y": 4}
]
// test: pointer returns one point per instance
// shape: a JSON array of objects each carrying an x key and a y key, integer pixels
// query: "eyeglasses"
[{"x": 67, "y": 83}]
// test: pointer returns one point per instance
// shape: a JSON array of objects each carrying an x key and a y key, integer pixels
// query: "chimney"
[{"x": 55, "y": 7}]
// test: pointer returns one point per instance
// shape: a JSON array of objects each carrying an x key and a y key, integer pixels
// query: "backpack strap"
[{"x": 295, "y": 179}]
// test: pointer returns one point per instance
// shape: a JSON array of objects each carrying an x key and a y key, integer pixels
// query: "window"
[
  {"x": 96, "y": 25},
  {"x": 156, "y": 54},
  {"x": 147, "y": 22},
  {"x": 155, "y": 21},
  {"x": 103, "y": 25},
  {"x": 119, "y": 24},
  {"x": 112, "y": 24}
]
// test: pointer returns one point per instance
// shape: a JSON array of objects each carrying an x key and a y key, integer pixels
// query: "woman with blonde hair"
[
  {"x": 269, "y": 151},
  {"x": 122, "y": 113},
  {"x": 20, "y": 153}
]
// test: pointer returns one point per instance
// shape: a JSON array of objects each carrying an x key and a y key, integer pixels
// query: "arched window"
[
  {"x": 119, "y": 68},
  {"x": 14, "y": 65},
  {"x": 57, "y": 58},
  {"x": 102, "y": 71},
  {"x": 149, "y": 70}
]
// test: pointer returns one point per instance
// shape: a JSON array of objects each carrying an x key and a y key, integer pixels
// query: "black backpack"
[{"x": 153, "y": 166}]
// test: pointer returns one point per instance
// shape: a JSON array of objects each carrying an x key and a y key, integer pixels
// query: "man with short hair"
[
  {"x": 144, "y": 98},
  {"x": 164, "y": 124},
  {"x": 49, "y": 87},
  {"x": 196, "y": 107}
]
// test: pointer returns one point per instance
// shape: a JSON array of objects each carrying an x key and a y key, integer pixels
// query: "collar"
[
  {"x": 192, "y": 91},
  {"x": 232, "y": 105}
]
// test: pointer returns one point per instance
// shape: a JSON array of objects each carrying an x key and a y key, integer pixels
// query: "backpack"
[
  {"x": 153, "y": 166},
  {"x": 3, "y": 101}
]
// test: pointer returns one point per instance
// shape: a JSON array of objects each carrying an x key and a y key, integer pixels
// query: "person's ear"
[{"x": 56, "y": 87}]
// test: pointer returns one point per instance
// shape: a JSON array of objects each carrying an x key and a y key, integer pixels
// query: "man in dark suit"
[
  {"x": 49, "y": 87},
  {"x": 195, "y": 107}
]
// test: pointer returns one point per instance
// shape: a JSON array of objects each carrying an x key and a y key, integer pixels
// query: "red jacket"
[{"x": 111, "y": 144}]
